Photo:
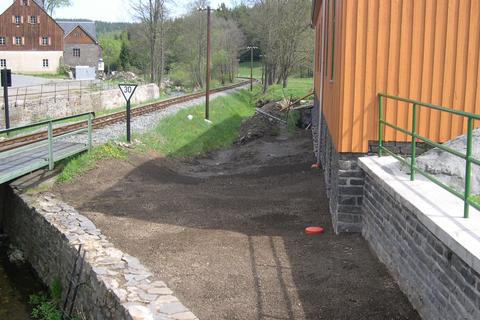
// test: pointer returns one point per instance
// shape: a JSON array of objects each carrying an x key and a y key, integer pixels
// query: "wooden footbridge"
[{"x": 19, "y": 160}]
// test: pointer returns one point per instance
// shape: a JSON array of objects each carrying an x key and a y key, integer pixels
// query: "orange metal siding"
[
  {"x": 332, "y": 89},
  {"x": 421, "y": 49}
]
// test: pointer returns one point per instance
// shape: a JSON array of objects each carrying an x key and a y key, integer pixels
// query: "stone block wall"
[
  {"x": 29, "y": 111},
  {"x": 115, "y": 285},
  {"x": 343, "y": 179},
  {"x": 439, "y": 284}
]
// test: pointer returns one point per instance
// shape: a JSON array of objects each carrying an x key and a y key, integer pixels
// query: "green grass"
[
  {"x": 80, "y": 164},
  {"x": 477, "y": 199},
  {"x": 177, "y": 136},
  {"x": 297, "y": 88},
  {"x": 180, "y": 137},
  {"x": 244, "y": 69}
]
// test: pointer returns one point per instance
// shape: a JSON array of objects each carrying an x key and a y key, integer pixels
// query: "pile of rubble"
[{"x": 123, "y": 76}]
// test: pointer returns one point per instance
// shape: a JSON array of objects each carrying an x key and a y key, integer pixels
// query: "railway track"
[{"x": 106, "y": 120}]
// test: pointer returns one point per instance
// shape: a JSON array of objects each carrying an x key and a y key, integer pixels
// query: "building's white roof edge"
[{"x": 440, "y": 211}]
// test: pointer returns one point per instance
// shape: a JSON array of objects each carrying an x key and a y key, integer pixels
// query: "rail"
[
  {"x": 51, "y": 136},
  {"x": 466, "y": 196}
]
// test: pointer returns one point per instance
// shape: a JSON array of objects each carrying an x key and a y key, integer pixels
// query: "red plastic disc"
[
  {"x": 314, "y": 230},
  {"x": 316, "y": 166}
]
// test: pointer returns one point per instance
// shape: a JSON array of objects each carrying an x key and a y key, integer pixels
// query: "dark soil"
[
  {"x": 260, "y": 125},
  {"x": 226, "y": 232}
]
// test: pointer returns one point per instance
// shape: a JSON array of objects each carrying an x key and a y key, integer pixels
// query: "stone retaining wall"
[
  {"x": 117, "y": 286},
  {"x": 439, "y": 284},
  {"x": 24, "y": 112},
  {"x": 343, "y": 180}
]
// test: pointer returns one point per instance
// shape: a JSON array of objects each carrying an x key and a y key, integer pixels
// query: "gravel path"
[{"x": 143, "y": 123}]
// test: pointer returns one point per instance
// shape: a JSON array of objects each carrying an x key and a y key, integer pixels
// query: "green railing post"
[
  {"x": 51, "y": 162},
  {"x": 380, "y": 125},
  {"x": 413, "y": 161},
  {"x": 89, "y": 132},
  {"x": 468, "y": 173}
]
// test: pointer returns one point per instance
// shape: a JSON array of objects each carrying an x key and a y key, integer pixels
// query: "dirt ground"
[{"x": 226, "y": 233}]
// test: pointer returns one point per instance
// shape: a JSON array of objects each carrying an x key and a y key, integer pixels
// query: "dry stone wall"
[{"x": 116, "y": 285}]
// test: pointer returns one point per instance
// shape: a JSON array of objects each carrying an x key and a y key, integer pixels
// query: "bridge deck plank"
[{"x": 17, "y": 164}]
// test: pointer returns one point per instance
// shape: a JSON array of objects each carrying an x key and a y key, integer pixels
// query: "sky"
[{"x": 109, "y": 10}]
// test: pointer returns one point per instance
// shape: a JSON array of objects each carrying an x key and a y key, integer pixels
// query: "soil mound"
[{"x": 260, "y": 125}]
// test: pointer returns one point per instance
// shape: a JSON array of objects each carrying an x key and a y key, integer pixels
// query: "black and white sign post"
[
  {"x": 6, "y": 75},
  {"x": 128, "y": 90}
]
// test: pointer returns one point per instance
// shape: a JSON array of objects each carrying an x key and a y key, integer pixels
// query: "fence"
[{"x": 466, "y": 196}]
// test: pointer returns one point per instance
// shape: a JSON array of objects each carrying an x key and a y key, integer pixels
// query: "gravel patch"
[{"x": 143, "y": 123}]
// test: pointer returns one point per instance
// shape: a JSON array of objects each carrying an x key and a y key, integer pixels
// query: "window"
[
  {"x": 45, "y": 63},
  {"x": 33, "y": 20},
  {"x": 18, "y": 19},
  {"x": 76, "y": 52},
  {"x": 25, "y": 3},
  {"x": 18, "y": 41},
  {"x": 45, "y": 41},
  {"x": 3, "y": 63},
  {"x": 3, "y": 41}
]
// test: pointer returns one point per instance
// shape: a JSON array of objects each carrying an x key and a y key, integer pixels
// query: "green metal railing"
[
  {"x": 51, "y": 135},
  {"x": 466, "y": 196}
]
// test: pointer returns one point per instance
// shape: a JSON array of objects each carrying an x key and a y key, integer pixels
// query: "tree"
[
  {"x": 152, "y": 15},
  {"x": 51, "y": 5},
  {"x": 111, "y": 50},
  {"x": 283, "y": 26},
  {"x": 124, "y": 58}
]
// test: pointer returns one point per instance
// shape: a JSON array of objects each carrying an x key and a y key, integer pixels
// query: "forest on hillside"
[{"x": 159, "y": 46}]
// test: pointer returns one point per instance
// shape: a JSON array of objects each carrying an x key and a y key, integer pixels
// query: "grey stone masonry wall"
[
  {"x": 116, "y": 285},
  {"x": 28, "y": 111},
  {"x": 343, "y": 179},
  {"x": 438, "y": 283}
]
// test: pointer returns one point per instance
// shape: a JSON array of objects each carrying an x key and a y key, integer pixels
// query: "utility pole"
[
  {"x": 207, "y": 82},
  {"x": 208, "y": 69},
  {"x": 251, "y": 65}
]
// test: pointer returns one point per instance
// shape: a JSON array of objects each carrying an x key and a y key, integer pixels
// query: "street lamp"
[{"x": 251, "y": 65}]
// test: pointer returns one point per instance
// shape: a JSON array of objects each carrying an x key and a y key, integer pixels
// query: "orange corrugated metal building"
[{"x": 426, "y": 50}]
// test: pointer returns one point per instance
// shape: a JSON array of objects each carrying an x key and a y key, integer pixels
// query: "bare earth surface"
[{"x": 225, "y": 232}]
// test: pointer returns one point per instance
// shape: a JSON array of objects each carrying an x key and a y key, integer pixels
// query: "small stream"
[{"x": 17, "y": 283}]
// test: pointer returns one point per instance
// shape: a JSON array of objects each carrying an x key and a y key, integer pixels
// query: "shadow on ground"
[{"x": 225, "y": 231}]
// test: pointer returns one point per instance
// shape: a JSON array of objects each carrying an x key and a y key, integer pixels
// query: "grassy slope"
[
  {"x": 87, "y": 161},
  {"x": 178, "y": 136},
  {"x": 477, "y": 199}
]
